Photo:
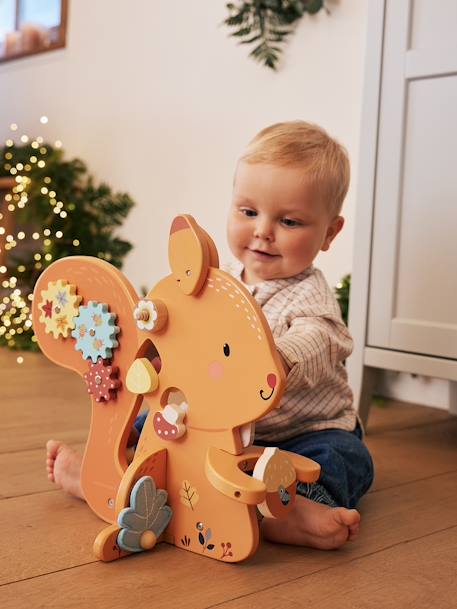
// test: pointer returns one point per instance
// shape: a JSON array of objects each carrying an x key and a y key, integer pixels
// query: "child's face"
[{"x": 276, "y": 226}]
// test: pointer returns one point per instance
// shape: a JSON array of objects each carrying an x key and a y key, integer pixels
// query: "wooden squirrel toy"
[{"x": 201, "y": 351}]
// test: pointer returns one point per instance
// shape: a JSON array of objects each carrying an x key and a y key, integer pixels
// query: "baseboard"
[{"x": 406, "y": 387}]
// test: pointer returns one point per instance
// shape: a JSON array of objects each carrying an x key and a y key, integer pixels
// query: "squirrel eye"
[{"x": 226, "y": 350}]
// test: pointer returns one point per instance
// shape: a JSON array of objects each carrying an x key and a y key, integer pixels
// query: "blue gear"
[{"x": 95, "y": 331}]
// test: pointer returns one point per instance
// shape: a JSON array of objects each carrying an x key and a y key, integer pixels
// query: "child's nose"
[{"x": 264, "y": 230}]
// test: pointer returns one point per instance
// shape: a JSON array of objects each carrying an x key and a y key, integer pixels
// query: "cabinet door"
[{"x": 413, "y": 289}]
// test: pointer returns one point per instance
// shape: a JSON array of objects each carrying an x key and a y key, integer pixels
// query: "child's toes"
[
  {"x": 350, "y": 518},
  {"x": 52, "y": 448},
  {"x": 353, "y": 532}
]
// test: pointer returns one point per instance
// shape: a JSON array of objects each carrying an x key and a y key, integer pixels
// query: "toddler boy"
[{"x": 288, "y": 192}]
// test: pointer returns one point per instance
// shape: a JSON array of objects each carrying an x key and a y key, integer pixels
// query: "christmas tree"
[{"x": 52, "y": 208}]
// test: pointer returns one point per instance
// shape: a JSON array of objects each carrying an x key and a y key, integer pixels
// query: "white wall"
[{"x": 159, "y": 102}]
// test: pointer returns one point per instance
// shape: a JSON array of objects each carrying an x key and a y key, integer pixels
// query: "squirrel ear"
[
  {"x": 213, "y": 254},
  {"x": 190, "y": 252}
]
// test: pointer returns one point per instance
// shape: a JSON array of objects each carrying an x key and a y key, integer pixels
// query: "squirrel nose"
[{"x": 271, "y": 380}]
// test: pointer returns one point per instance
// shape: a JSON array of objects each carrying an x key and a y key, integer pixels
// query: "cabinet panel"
[
  {"x": 413, "y": 292},
  {"x": 428, "y": 19},
  {"x": 426, "y": 283}
]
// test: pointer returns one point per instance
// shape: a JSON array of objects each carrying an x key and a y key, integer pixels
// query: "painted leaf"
[
  {"x": 208, "y": 535},
  {"x": 147, "y": 511},
  {"x": 210, "y": 546},
  {"x": 201, "y": 539},
  {"x": 188, "y": 495}
]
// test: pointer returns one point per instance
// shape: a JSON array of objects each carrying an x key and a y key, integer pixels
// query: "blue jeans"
[{"x": 346, "y": 465}]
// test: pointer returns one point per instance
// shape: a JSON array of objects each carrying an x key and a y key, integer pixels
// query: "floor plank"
[
  {"x": 395, "y": 415},
  {"x": 60, "y": 545},
  {"x": 26, "y": 472},
  {"x": 37, "y": 400},
  {"x": 396, "y": 577},
  {"x": 47, "y": 536},
  {"x": 405, "y": 455}
]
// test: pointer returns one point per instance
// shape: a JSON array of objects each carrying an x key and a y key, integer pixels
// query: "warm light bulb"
[
  {"x": 24, "y": 138},
  {"x": 13, "y": 127},
  {"x": 44, "y": 120}
]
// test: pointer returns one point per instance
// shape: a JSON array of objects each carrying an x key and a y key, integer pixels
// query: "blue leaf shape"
[
  {"x": 147, "y": 512},
  {"x": 208, "y": 535},
  {"x": 201, "y": 539}
]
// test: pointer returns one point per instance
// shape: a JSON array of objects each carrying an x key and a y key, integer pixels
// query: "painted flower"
[{"x": 145, "y": 315}]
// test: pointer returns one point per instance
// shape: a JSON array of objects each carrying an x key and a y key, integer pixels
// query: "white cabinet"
[{"x": 403, "y": 312}]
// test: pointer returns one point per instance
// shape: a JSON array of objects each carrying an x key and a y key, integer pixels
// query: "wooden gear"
[{"x": 201, "y": 350}]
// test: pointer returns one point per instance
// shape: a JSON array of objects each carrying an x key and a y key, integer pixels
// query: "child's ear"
[{"x": 333, "y": 229}]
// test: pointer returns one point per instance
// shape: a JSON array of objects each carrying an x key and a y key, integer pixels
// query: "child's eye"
[
  {"x": 289, "y": 222},
  {"x": 250, "y": 213}
]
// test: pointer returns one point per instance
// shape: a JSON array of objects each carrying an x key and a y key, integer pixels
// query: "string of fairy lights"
[{"x": 15, "y": 305}]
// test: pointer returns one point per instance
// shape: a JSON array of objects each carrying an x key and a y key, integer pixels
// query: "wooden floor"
[{"x": 406, "y": 555}]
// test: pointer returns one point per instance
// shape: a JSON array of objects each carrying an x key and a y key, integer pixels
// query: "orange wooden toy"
[{"x": 199, "y": 347}]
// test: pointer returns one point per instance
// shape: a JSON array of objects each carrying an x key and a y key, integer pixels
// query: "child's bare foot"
[
  {"x": 63, "y": 465},
  {"x": 313, "y": 524}
]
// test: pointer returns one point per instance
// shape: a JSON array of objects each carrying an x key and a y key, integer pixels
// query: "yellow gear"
[{"x": 59, "y": 306}]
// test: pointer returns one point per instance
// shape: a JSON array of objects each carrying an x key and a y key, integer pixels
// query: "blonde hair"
[{"x": 297, "y": 143}]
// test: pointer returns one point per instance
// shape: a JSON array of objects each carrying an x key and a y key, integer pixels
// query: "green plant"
[
  {"x": 58, "y": 211},
  {"x": 342, "y": 292},
  {"x": 267, "y": 24}
]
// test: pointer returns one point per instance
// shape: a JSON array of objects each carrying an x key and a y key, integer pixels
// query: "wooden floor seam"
[{"x": 331, "y": 567}]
